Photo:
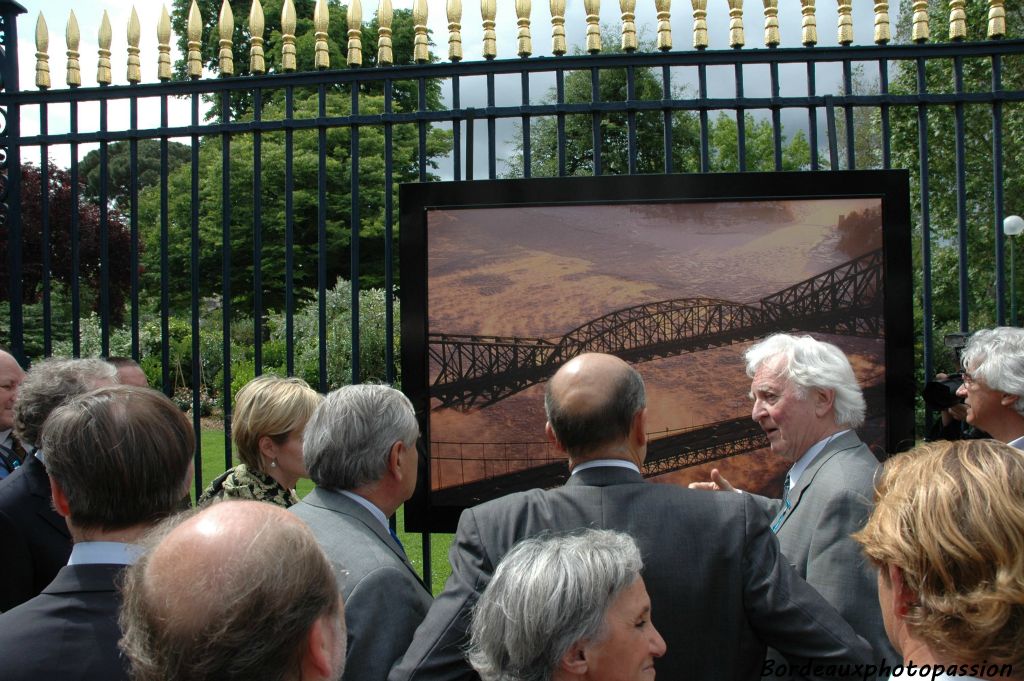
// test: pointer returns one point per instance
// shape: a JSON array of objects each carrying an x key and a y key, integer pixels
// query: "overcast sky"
[{"x": 90, "y": 12}]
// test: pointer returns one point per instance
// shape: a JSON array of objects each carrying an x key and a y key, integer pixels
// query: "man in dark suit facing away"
[
  {"x": 119, "y": 460},
  {"x": 720, "y": 590}
]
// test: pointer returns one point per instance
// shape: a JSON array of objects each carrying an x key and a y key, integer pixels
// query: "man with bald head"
[
  {"x": 239, "y": 591},
  {"x": 720, "y": 590},
  {"x": 12, "y": 453}
]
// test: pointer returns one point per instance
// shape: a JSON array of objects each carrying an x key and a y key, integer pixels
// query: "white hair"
[
  {"x": 812, "y": 364},
  {"x": 548, "y": 593},
  {"x": 996, "y": 358}
]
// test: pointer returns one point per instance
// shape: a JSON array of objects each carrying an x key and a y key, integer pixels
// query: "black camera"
[{"x": 939, "y": 395}]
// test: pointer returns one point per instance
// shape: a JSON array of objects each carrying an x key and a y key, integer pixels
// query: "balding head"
[
  {"x": 11, "y": 376},
  {"x": 593, "y": 403},
  {"x": 240, "y": 590}
]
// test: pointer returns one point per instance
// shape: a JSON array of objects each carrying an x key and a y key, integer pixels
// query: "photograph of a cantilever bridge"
[{"x": 679, "y": 290}]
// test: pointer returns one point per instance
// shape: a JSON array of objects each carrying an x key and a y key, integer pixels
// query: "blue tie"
[
  {"x": 785, "y": 488},
  {"x": 398, "y": 541}
]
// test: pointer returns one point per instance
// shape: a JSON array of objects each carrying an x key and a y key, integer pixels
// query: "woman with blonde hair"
[
  {"x": 270, "y": 415},
  {"x": 947, "y": 536}
]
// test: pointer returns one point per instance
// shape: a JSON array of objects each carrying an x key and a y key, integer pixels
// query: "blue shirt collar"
[
  {"x": 104, "y": 553},
  {"x": 618, "y": 463},
  {"x": 804, "y": 461},
  {"x": 368, "y": 505}
]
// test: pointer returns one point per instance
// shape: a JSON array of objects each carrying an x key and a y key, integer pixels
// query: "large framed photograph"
[{"x": 504, "y": 281}]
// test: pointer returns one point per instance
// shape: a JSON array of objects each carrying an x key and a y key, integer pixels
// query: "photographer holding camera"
[{"x": 993, "y": 383}]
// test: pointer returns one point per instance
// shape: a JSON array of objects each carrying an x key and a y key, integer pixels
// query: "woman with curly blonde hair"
[{"x": 947, "y": 535}]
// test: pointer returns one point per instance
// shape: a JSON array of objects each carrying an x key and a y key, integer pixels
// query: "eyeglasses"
[{"x": 969, "y": 381}]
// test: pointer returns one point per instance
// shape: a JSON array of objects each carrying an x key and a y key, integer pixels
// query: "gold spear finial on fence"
[
  {"x": 593, "y": 10},
  {"x": 525, "y": 44},
  {"x": 104, "y": 38},
  {"x": 558, "y": 46},
  {"x": 321, "y": 20},
  {"x": 771, "y": 23},
  {"x": 919, "y": 31},
  {"x": 420, "y": 43},
  {"x": 257, "y": 59},
  {"x": 163, "y": 45},
  {"x": 628, "y": 10},
  {"x": 883, "y": 33},
  {"x": 226, "y": 26},
  {"x": 736, "y": 23},
  {"x": 134, "y": 35},
  {"x": 957, "y": 20},
  {"x": 488, "y": 10},
  {"x": 845, "y": 23},
  {"x": 385, "y": 47},
  {"x": 194, "y": 30},
  {"x": 996, "y": 19},
  {"x": 809, "y": 23},
  {"x": 42, "y": 58},
  {"x": 355, "y": 33},
  {"x": 700, "y": 23},
  {"x": 288, "y": 35},
  {"x": 72, "y": 35},
  {"x": 455, "y": 30}
]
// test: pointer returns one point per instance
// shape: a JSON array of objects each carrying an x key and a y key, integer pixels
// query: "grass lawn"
[{"x": 213, "y": 465}]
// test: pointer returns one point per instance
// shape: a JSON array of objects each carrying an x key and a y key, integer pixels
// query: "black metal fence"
[{"x": 222, "y": 270}]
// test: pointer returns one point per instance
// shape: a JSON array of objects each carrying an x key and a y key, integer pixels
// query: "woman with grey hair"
[{"x": 563, "y": 607}]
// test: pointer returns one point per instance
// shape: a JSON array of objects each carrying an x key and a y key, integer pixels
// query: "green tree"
[
  {"x": 304, "y": 211},
  {"x": 119, "y": 175},
  {"x": 650, "y": 126},
  {"x": 978, "y": 164}
]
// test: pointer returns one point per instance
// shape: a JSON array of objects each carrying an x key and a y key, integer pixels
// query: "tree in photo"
[{"x": 119, "y": 169}]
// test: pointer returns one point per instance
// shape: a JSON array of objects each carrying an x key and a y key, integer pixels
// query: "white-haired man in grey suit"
[
  {"x": 807, "y": 401},
  {"x": 360, "y": 449}
]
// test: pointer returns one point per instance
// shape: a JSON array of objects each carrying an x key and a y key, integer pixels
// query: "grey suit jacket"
[
  {"x": 385, "y": 600},
  {"x": 833, "y": 499},
  {"x": 718, "y": 585}
]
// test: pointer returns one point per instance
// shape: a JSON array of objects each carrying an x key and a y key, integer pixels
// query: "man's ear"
[
  {"x": 903, "y": 597},
  {"x": 824, "y": 400},
  {"x": 60, "y": 500},
  {"x": 317, "y": 656},
  {"x": 395, "y": 460},
  {"x": 552, "y": 438},
  {"x": 638, "y": 429},
  {"x": 574, "y": 662}
]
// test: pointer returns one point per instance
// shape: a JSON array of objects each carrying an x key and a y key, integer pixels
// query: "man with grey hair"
[
  {"x": 238, "y": 591},
  {"x": 12, "y": 452},
  {"x": 720, "y": 587},
  {"x": 360, "y": 449},
  {"x": 34, "y": 538},
  {"x": 582, "y": 612},
  {"x": 993, "y": 387},
  {"x": 808, "y": 402}
]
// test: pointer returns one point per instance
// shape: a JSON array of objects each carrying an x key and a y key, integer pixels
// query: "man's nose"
[{"x": 962, "y": 390}]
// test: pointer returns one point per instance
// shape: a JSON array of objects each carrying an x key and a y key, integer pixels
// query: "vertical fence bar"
[
  {"x": 492, "y": 143},
  {"x": 11, "y": 163},
  {"x": 997, "y": 185},
  {"x": 421, "y": 127},
  {"x": 776, "y": 115},
  {"x": 560, "y": 120},
  {"x": 133, "y": 221},
  {"x": 595, "y": 117},
  {"x": 257, "y": 233},
  {"x": 525, "y": 120},
  {"x": 456, "y": 128},
  {"x": 225, "y": 226},
  {"x": 76, "y": 254},
  {"x": 702, "y": 94},
  {"x": 197, "y": 377},
  {"x": 961, "y": 192},
  {"x": 289, "y": 230},
  {"x": 104, "y": 263},
  {"x": 389, "y": 236},
  {"x": 321, "y": 232},
  {"x": 631, "y": 119},
  {"x": 883, "y": 88},
  {"x": 45, "y": 236},
  {"x": 741, "y": 122},
  {"x": 926, "y": 245},
  {"x": 354, "y": 239},
  {"x": 812, "y": 117},
  {"x": 666, "y": 116},
  {"x": 851, "y": 162},
  {"x": 165, "y": 281}
]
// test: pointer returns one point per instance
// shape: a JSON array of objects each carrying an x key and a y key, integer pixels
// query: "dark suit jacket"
[
  {"x": 384, "y": 598},
  {"x": 720, "y": 590},
  {"x": 833, "y": 499},
  {"x": 34, "y": 539},
  {"x": 68, "y": 632}
]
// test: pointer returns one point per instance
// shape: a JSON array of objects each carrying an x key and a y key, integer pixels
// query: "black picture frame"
[{"x": 885, "y": 275}]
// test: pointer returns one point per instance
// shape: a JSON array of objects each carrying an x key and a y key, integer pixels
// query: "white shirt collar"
[
  {"x": 617, "y": 463},
  {"x": 1018, "y": 443},
  {"x": 369, "y": 506},
  {"x": 104, "y": 553},
  {"x": 5, "y": 435},
  {"x": 804, "y": 461}
]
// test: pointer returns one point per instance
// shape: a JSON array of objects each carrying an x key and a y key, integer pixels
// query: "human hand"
[{"x": 718, "y": 483}]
